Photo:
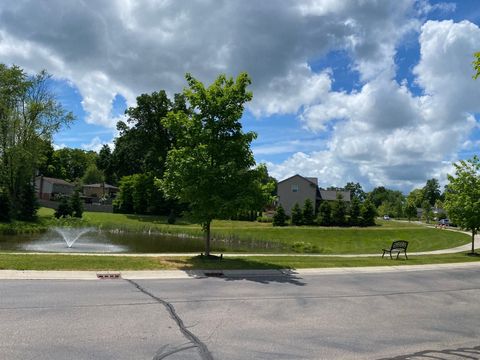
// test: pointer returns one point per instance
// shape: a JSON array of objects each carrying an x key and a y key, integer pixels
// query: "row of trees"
[{"x": 337, "y": 213}]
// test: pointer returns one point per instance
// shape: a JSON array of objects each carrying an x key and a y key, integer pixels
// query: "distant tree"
[
  {"x": 28, "y": 203},
  {"x": 431, "y": 191},
  {"x": 210, "y": 165},
  {"x": 416, "y": 197},
  {"x": 297, "y": 217},
  {"x": 93, "y": 175},
  {"x": 380, "y": 195},
  {"x": 339, "y": 211},
  {"x": 308, "y": 213},
  {"x": 427, "y": 212},
  {"x": 368, "y": 213},
  {"x": 410, "y": 210},
  {"x": 324, "y": 217},
  {"x": 462, "y": 200},
  {"x": 5, "y": 206},
  {"x": 279, "y": 218},
  {"x": 354, "y": 211},
  {"x": 105, "y": 163},
  {"x": 142, "y": 194},
  {"x": 64, "y": 208},
  {"x": 76, "y": 206},
  {"x": 356, "y": 191}
]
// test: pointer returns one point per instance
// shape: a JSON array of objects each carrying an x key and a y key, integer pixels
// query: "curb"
[{"x": 202, "y": 274}]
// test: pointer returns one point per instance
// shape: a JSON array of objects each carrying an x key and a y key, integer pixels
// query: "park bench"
[{"x": 398, "y": 246}]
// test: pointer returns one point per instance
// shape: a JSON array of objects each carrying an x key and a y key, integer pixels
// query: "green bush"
[
  {"x": 265, "y": 219},
  {"x": 279, "y": 219},
  {"x": 76, "y": 206},
  {"x": 64, "y": 209},
  {"x": 324, "y": 217},
  {"x": 297, "y": 216},
  {"x": 28, "y": 203},
  {"x": 308, "y": 212}
]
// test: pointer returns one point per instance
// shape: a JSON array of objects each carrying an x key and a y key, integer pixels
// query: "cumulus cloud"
[
  {"x": 390, "y": 136},
  {"x": 381, "y": 133}
]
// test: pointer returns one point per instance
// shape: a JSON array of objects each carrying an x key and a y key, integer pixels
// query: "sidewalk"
[{"x": 201, "y": 274}]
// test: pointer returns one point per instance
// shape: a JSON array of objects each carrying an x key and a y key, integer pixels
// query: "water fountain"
[
  {"x": 70, "y": 235},
  {"x": 74, "y": 240}
]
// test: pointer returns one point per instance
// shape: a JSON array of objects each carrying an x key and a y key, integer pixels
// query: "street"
[{"x": 372, "y": 315}]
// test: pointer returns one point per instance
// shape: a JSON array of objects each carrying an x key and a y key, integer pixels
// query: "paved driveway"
[{"x": 411, "y": 314}]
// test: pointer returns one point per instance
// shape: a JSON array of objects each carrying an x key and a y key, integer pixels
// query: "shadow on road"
[
  {"x": 246, "y": 269},
  {"x": 447, "y": 354}
]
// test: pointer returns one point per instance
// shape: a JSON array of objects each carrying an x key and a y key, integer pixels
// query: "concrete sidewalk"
[{"x": 198, "y": 274}]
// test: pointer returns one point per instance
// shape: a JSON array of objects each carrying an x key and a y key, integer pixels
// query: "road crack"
[{"x": 201, "y": 347}]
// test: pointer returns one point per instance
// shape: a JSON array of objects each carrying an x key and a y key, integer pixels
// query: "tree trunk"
[{"x": 207, "y": 239}]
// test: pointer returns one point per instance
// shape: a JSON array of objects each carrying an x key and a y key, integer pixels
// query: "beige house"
[
  {"x": 47, "y": 188},
  {"x": 297, "y": 189}
]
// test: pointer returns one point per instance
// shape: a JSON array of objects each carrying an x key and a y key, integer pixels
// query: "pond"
[{"x": 96, "y": 241}]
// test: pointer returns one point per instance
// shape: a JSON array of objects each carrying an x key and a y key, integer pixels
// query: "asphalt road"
[{"x": 396, "y": 315}]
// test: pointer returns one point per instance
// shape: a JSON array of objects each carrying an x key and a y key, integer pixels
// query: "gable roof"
[
  {"x": 55, "y": 181},
  {"x": 312, "y": 180}
]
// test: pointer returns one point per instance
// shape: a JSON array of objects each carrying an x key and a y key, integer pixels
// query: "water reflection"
[{"x": 118, "y": 242}]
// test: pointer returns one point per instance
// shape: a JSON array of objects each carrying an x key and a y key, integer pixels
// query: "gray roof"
[
  {"x": 332, "y": 195},
  {"x": 55, "y": 181},
  {"x": 313, "y": 180}
]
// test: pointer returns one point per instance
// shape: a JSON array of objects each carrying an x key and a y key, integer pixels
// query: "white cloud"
[
  {"x": 95, "y": 144},
  {"x": 387, "y": 135},
  {"x": 380, "y": 134}
]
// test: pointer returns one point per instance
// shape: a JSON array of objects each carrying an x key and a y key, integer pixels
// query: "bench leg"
[
  {"x": 406, "y": 257},
  {"x": 398, "y": 254}
]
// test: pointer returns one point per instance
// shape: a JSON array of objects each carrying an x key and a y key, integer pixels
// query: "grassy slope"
[
  {"x": 323, "y": 240},
  {"x": 315, "y": 239}
]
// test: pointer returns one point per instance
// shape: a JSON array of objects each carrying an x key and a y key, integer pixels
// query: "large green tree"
[
  {"x": 211, "y": 165},
  {"x": 462, "y": 200},
  {"x": 29, "y": 116},
  {"x": 144, "y": 141}
]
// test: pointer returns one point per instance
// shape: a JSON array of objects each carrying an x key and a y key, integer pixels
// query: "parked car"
[
  {"x": 445, "y": 222},
  {"x": 386, "y": 217}
]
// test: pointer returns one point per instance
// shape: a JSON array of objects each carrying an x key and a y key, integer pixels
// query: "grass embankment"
[
  {"x": 119, "y": 263},
  {"x": 301, "y": 239}
]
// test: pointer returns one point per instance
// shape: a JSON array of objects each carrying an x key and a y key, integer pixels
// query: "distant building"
[
  {"x": 48, "y": 188},
  {"x": 297, "y": 189},
  {"x": 100, "y": 190}
]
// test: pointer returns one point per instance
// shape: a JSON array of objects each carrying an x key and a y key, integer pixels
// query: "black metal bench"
[{"x": 398, "y": 246}]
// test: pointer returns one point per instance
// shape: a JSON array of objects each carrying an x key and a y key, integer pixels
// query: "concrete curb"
[{"x": 199, "y": 274}]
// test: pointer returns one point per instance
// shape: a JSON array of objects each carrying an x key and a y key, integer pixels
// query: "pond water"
[{"x": 95, "y": 241}]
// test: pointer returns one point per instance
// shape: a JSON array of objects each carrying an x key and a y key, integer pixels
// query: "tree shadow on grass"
[{"x": 237, "y": 269}]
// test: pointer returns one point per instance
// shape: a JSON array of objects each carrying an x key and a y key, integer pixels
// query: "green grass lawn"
[
  {"x": 118, "y": 263},
  {"x": 301, "y": 239}
]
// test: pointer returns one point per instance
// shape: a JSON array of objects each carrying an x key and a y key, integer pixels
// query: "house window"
[{"x": 294, "y": 188}]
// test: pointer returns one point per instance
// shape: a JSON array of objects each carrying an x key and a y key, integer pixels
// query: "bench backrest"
[{"x": 399, "y": 244}]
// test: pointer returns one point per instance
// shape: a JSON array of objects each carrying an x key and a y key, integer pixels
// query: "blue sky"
[{"x": 378, "y": 92}]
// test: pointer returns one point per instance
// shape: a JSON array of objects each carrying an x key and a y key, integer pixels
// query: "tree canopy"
[
  {"x": 462, "y": 200},
  {"x": 29, "y": 116},
  {"x": 210, "y": 165}
]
